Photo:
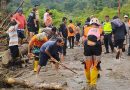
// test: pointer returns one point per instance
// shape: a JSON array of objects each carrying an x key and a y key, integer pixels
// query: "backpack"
[{"x": 71, "y": 30}]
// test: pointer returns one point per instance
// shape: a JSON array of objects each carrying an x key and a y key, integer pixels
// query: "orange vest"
[
  {"x": 129, "y": 22},
  {"x": 35, "y": 42},
  {"x": 86, "y": 29},
  {"x": 73, "y": 27}
]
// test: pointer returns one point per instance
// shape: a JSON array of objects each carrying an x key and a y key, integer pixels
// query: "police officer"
[{"x": 107, "y": 28}]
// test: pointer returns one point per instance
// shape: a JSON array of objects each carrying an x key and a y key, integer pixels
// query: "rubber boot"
[
  {"x": 94, "y": 74},
  {"x": 88, "y": 64},
  {"x": 36, "y": 62},
  {"x": 87, "y": 74}
]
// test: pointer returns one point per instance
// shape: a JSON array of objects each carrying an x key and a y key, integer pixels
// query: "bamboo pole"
[{"x": 11, "y": 14}]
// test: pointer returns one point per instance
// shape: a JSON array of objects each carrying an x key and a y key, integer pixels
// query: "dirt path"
[{"x": 115, "y": 75}]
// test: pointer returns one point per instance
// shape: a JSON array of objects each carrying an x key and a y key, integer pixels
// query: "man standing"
[
  {"x": 32, "y": 25},
  {"x": 22, "y": 20},
  {"x": 37, "y": 19},
  {"x": 64, "y": 33},
  {"x": 71, "y": 34},
  {"x": 107, "y": 28},
  {"x": 49, "y": 22},
  {"x": 45, "y": 16},
  {"x": 127, "y": 24},
  {"x": 119, "y": 32}
]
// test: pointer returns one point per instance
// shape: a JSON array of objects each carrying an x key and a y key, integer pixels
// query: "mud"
[{"x": 115, "y": 74}]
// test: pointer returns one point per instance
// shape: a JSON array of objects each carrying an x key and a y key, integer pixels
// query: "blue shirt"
[{"x": 52, "y": 47}]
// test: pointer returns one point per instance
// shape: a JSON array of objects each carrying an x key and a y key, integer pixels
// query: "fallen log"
[
  {"x": 6, "y": 56},
  {"x": 28, "y": 84}
]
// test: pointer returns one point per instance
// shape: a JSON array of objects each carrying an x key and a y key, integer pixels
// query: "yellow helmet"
[{"x": 94, "y": 21}]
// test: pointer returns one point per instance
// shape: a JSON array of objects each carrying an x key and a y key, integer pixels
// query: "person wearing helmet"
[
  {"x": 92, "y": 52},
  {"x": 34, "y": 46}
]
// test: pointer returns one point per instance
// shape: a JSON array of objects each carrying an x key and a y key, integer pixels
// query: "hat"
[
  {"x": 125, "y": 16},
  {"x": 20, "y": 10}
]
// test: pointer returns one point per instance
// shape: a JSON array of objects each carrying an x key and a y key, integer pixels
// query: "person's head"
[
  {"x": 59, "y": 42},
  {"x": 34, "y": 9},
  {"x": 126, "y": 18},
  {"x": 50, "y": 14},
  {"x": 87, "y": 22},
  {"x": 20, "y": 11},
  {"x": 79, "y": 24},
  {"x": 41, "y": 36},
  {"x": 47, "y": 10},
  {"x": 53, "y": 30},
  {"x": 115, "y": 17},
  {"x": 70, "y": 21},
  {"x": 95, "y": 22},
  {"x": 107, "y": 18},
  {"x": 13, "y": 22},
  {"x": 36, "y": 6},
  {"x": 88, "y": 19},
  {"x": 64, "y": 19}
]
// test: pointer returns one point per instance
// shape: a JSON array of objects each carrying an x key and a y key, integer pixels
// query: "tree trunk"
[
  {"x": 27, "y": 84},
  {"x": 6, "y": 57}
]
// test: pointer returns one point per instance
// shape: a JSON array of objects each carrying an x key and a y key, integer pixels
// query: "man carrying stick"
[{"x": 51, "y": 50}]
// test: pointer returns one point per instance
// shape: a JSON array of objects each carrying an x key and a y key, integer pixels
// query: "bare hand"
[
  {"x": 30, "y": 55},
  {"x": 90, "y": 43},
  {"x": 35, "y": 25}
]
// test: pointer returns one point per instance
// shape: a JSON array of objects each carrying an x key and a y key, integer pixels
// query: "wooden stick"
[
  {"x": 65, "y": 66},
  {"x": 11, "y": 14}
]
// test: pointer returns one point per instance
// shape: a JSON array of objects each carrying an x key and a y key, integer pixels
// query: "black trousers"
[
  {"x": 14, "y": 51},
  {"x": 37, "y": 28},
  {"x": 108, "y": 41},
  {"x": 71, "y": 41},
  {"x": 65, "y": 46}
]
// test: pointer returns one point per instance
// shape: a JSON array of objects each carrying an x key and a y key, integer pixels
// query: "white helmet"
[
  {"x": 40, "y": 36},
  {"x": 125, "y": 16},
  {"x": 94, "y": 21}
]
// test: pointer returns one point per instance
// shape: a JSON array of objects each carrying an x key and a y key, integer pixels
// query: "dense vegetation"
[{"x": 78, "y": 10}]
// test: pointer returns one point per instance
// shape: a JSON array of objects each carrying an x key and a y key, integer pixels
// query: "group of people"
[{"x": 51, "y": 43}]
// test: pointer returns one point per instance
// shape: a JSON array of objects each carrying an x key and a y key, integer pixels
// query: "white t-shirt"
[
  {"x": 13, "y": 36},
  {"x": 45, "y": 16}
]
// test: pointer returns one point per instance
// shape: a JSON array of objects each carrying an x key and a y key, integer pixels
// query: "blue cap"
[{"x": 20, "y": 10}]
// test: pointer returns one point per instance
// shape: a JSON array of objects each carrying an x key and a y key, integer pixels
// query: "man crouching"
[{"x": 50, "y": 50}]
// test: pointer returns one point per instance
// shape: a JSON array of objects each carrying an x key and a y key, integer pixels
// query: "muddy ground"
[{"x": 115, "y": 74}]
